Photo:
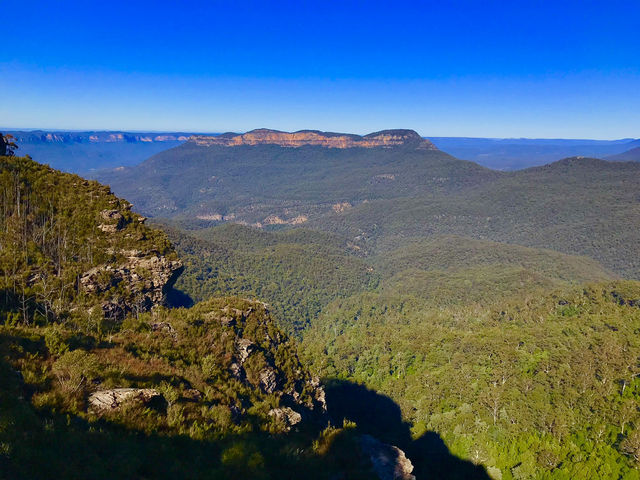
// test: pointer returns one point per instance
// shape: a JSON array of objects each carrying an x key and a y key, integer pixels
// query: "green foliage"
[
  {"x": 297, "y": 272},
  {"x": 523, "y": 386}
]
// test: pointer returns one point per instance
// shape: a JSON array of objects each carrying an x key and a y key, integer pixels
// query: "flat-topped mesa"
[{"x": 263, "y": 136}]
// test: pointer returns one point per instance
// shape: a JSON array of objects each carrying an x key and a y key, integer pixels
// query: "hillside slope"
[
  {"x": 576, "y": 206},
  {"x": 632, "y": 155},
  {"x": 69, "y": 247},
  {"x": 454, "y": 270},
  {"x": 383, "y": 197}
]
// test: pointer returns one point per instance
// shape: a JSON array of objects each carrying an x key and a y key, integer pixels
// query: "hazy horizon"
[
  {"x": 465, "y": 69},
  {"x": 81, "y": 130}
]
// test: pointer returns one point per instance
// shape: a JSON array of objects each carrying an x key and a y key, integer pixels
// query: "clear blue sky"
[{"x": 449, "y": 68}]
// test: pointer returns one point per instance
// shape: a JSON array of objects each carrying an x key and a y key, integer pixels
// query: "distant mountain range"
[
  {"x": 82, "y": 152},
  {"x": 519, "y": 153},
  {"x": 41, "y": 136},
  {"x": 632, "y": 155},
  {"x": 86, "y": 151}
]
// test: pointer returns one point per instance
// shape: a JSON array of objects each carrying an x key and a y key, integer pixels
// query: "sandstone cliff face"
[
  {"x": 385, "y": 138},
  {"x": 146, "y": 275}
]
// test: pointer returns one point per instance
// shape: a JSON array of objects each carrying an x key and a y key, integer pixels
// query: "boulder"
[{"x": 244, "y": 347}]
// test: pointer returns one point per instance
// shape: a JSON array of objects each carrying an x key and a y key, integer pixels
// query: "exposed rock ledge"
[
  {"x": 263, "y": 136},
  {"x": 105, "y": 400},
  {"x": 288, "y": 416},
  {"x": 149, "y": 276}
]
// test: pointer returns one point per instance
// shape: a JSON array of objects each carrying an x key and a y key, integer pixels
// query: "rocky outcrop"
[
  {"x": 263, "y": 136},
  {"x": 341, "y": 207},
  {"x": 268, "y": 380},
  {"x": 301, "y": 390},
  {"x": 388, "y": 461},
  {"x": 147, "y": 274},
  {"x": 244, "y": 347},
  {"x": 106, "y": 400},
  {"x": 287, "y": 416},
  {"x": 113, "y": 221},
  {"x": 148, "y": 277},
  {"x": 276, "y": 220}
]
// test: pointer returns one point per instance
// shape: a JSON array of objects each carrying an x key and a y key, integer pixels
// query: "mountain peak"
[{"x": 264, "y": 136}]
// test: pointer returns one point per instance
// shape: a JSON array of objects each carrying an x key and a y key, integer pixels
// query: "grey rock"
[
  {"x": 288, "y": 416},
  {"x": 106, "y": 400},
  {"x": 149, "y": 277},
  {"x": 244, "y": 347},
  {"x": 114, "y": 221},
  {"x": 269, "y": 380}
]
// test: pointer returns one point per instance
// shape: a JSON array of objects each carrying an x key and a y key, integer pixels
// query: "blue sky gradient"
[{"x": 449, "y": 68}]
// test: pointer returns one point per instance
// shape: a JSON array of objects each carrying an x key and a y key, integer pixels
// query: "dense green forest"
[
  {"x": 545, "y": 387},
  {"x": 297, "y": 272}
]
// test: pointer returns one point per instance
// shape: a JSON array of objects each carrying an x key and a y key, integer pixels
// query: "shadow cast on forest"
[
  {"x": 379, "y": 416},
  {"x": 177, "y": 298}
]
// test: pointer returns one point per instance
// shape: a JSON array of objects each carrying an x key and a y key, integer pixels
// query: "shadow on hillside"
[
  {"x": 177, "y": 298},
  {"x": 379, "y": 416}
]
